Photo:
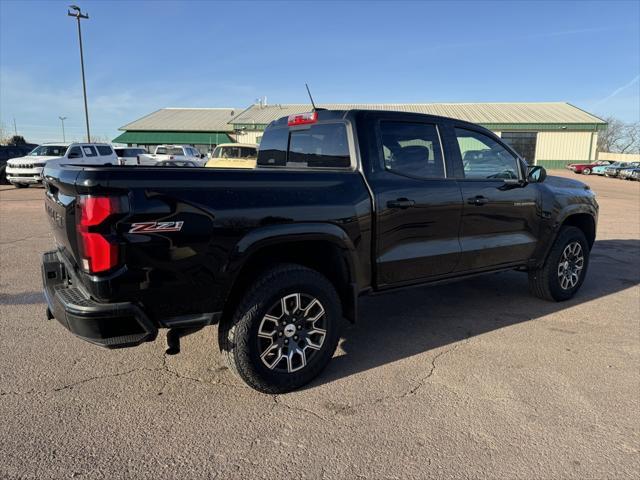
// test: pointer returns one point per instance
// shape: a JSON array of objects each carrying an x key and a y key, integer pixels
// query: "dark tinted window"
[
  {"x": 273, "y": 148},
  {"x": 75, "y": 152},
  {"x": 104, "y": 150},
  {"x": 412, "y": 149},
  {"x": 320, "y": 146},
  {"x": 483, "y": 157}
]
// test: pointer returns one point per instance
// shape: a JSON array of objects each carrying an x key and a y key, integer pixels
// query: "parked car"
[
  {"x": 341, "y": 204},
  {"x": 27, "y": 170},
  {"x": 614, "y": 170},
  {"x": 599, "y": 169},
  {"x": 173, "y": 152},
  {"x": 586, "y": 168},
  {"x": 11, "y": 151},
  {"x": 234, "y": 155},
  {"x": 177, "y": 163},
  {"x": 130, "y": 155},
  {"x": 624, "y": 173}
]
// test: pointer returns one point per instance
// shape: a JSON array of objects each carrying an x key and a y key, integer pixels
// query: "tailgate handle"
[
  {"x": 478, "y": 200},
  {"x": 400, "y": 203}
]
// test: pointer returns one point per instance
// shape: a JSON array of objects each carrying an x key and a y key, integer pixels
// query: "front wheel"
[
  {"x": 586, "y": 171},
  {"x": 284, "y": 331},
  {"x": 21, "y": 185},
  {"x": 565, "y": 268}
]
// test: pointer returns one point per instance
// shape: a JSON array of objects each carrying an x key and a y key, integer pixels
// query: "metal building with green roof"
[
  {"x": 551, "y": 134},
  {"x": 201, "y": 127}
]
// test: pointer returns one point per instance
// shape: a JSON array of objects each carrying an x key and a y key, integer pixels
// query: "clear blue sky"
[{"x": 145, "y": 55}]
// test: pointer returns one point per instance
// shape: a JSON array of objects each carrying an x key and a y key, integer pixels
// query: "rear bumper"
[{"x": 111, "y": 325}]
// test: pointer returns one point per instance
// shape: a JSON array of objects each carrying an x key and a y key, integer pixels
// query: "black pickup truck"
[{"x": 341, "y": 204}]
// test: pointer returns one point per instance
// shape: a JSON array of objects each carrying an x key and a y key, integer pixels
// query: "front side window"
[
  {"x": 75, "y": 152},
  {"x": 522, "y": 142},
  {"x": 484, "y": 158},
  {"x": 412, "y": 149}
]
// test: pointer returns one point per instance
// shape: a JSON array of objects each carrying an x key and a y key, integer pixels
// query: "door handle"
[
  {"x": 478, "y": 200},
  {"x": 400, "y": 203}
]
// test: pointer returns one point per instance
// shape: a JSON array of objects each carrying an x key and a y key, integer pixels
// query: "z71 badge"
[{"x": 155, "y": 227}]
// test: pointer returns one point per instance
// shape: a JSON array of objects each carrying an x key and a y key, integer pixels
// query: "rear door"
[
  {"x": 418, "y": 208},
  {"x": 499, "y": 217}
]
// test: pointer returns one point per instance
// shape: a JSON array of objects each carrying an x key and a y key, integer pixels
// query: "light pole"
[
  {"x": 62, "y": 119},
  {"x": 79, "y": 15}
]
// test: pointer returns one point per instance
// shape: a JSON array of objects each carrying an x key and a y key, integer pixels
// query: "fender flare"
[
  {"x": 561, "y": 217},
  {"x": 263, "y": 237}
]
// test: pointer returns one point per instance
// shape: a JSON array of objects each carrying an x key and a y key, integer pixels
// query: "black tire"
[
  {"x": 586, "y": 171},
  {"x": 3, "y": 176},
  {"x": 545, "y": 282},
  {"x": 21, "y": 185},
  {"x": 238, "y": 336}
]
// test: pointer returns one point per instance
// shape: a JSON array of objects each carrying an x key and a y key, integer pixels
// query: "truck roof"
[{"x": 324, "y": 115}]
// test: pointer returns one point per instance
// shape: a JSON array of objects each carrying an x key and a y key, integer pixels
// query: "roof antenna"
[{"x": 310, "y": 97}]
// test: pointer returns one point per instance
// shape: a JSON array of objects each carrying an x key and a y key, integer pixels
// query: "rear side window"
[
  {"x": 320, "y": 146},
  {"x": 412, "y": 149},
  {"x": 89, "y": 151},
  {"x": 104, "y": 150}
]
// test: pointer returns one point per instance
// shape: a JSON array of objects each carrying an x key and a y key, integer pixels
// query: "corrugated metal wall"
[
  {"x": 247, "y": 136},
  {"x": 565, "y": 146}
]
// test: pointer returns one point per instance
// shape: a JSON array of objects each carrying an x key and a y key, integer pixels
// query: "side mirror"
[{"x": 536, "y": 174}]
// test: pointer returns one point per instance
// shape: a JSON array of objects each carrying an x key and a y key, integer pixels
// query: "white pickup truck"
[
  {"x": 173, "y": 152},
  {"x": 27, "y": 170}
]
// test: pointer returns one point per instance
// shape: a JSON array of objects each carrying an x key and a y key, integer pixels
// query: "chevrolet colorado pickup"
[{"x": 341, "y": 204}]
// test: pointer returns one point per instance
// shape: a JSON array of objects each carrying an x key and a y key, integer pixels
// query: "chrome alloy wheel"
[
  {"x": 570, "y": 265},
  {"x": 292, "y": 332}
]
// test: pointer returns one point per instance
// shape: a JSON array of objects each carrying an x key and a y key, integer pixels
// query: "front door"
[
  {"x": 418, "y": 209},
  {"x": 499, "y": 213}
]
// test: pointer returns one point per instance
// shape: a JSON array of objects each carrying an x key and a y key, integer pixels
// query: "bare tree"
[{"x": 619, "y": 137}]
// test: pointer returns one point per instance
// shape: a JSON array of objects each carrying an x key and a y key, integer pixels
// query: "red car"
[{"x": 587, "y": 167}]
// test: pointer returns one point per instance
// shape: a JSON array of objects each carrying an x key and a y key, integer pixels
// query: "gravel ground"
[{"x": 474, "y": 379}]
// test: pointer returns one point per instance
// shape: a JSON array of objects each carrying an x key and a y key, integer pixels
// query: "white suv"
[{"x": 23, "y": 171}]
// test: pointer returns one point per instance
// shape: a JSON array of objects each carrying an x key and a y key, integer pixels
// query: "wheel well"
[
  {"x": 584, "y": 222},
  {"x": 322, "y": 256}
]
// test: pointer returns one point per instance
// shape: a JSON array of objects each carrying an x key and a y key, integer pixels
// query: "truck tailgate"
[{"x": 60, "y": 201}]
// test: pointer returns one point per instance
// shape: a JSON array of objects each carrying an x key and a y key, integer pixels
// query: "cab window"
[
  {"x": 485, "y": 158},
  {"x": 412, "y": 149}
]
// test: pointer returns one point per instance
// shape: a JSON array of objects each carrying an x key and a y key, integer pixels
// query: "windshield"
[
  {"x": 168, "y": 151},
  {"x": 235, "y": 152},
  {"x": 49, "y": 151}
]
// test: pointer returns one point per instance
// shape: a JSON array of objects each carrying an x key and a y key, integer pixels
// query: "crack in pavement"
[
  {"x": 277, "y": 402},
  {"x": 11, "y": 242}
]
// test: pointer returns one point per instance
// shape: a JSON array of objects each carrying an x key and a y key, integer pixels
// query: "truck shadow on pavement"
[
  {"x": 399, "y": 325},
  {"x": 24, "y": 298}
]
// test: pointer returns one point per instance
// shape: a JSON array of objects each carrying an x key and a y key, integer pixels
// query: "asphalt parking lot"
[{"x": 469, "y": 380}]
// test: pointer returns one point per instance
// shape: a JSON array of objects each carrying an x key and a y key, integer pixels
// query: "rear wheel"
[
  {"x": 284, "y": 331},
  {"x": 587, "y": 171},
  {"x": 563, "y": 272}
]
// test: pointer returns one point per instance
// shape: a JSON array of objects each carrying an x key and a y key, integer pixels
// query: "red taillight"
[
  {"x": 302, "y": 118},
  {"x": 96, "y": 252}
]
